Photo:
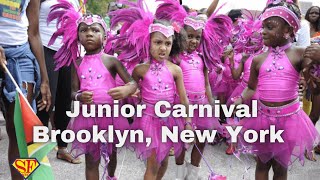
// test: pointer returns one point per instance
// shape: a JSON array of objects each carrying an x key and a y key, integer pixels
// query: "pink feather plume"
[
  {"x": 67, "y": 17},
  {"x": 134, "y": 39}
]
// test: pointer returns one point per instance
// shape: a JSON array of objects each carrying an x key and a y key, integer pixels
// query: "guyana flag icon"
[{"x": 33, "y": 162}]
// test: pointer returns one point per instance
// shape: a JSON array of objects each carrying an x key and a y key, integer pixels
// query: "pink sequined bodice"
[
  {"x": 95, "y": 77},
  {"x": 192, "y": 69},
  {"x": 158, "y": 84},
  {"x": 278, "y": 79},
  {"x": 246, "y": 69}
]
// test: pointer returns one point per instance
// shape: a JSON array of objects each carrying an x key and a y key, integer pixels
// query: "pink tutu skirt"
[
  {"x": 202, "y": 123},
  {"x": 237, "y": 92},
  {"x": 94, "y": 148},
  {"x": 299, "y": 135},
  {"x": 151, "y": 127},
  {"x": 221, "y": 84}
]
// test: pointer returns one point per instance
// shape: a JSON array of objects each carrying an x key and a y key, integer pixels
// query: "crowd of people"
[{"x": 178, "y": 55}]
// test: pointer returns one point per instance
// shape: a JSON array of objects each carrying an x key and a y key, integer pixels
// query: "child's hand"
[
  {"x": 237, "y": 100},
  {"x": 190, "y": 126},
  {"x": 302, "y": 85},
  {"x": 3, "y": 61},
  {"x": 119, "y": 93},
  {"x": 313, "y": 52},
  {"x": 86, "y": 97},
  {"x": 230, "y": 55},
  {"x": 136, "y": 94}
]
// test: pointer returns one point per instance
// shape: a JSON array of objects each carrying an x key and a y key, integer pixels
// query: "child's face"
[
  {"x": 160, "y": 46},
  {"x": 193, "y": 38},
  {"x": 274, "y": 29},
  {"x": 91, "y": 36}
]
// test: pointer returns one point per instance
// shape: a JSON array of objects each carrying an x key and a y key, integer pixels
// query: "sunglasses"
[{"x": 114, "y": 4}]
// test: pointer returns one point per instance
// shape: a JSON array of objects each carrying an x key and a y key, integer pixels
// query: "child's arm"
[
  {"x": 138, "y": 72},
  {"x": 250, "y": 90},
  {"x": 236, "y": 73},
  {"x": 182, "y": 93},
  {"x": 126, "y": 90},
  {"x": 212, "y": 7},
  {"x": 208, "y": 87},
  {"x": 310, "y": 65},
  {"x": 85, "y": 96}
]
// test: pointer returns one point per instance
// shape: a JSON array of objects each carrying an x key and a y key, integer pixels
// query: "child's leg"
[
  {"x": 113, "y": 162},
  {"x": 13, "y": 152},
  {"x": 163, "y": 168},
  {"x": 92, "y": 168},
  {"x": 181, "y": 167},
  {"x": 222, "y": 99},
  {"x": 195, "y": 155},
  {"x": 180, "y": 159},
  {"x": 193, "y": 168},
  {"x": 152, "y": 167},
  {"x": 262, "y": 170},
  {"x": 280, "y": 172}
]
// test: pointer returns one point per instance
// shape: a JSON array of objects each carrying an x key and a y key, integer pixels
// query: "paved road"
[{"x": 133, "y": 169}]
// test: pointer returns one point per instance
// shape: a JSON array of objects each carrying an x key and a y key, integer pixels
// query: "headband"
[
  {"x": 285, "y": 14},
  {"x": 167, "y": 31},
  {"x": 91, "y": 19},
  {"x": 195, "y": 24}
]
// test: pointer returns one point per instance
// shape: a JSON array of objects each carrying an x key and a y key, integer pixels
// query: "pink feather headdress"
[
  {"x": 278, "y": 1},
  {"x": 249, "y": 39},
  {"x": 282, "y": 12},
  {"x": 134, "y": 39},
  {"x": 68, "y": 20},
  {"x": 216, "y": 32}
]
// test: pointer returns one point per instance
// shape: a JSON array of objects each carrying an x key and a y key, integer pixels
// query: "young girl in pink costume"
[
  {"x": 275, "y": 74},
  {"x": 93, "y": 81},
  {"x": 159, "y": 80},
  {"x": 195, "y": 71},
  {"x": 248, "y": 43}
]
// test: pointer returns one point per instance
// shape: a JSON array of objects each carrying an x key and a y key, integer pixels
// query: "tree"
[{"x": 98, "y": 6}]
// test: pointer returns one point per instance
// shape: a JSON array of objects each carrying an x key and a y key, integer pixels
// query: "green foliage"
[{"x": 98, "y": 6}]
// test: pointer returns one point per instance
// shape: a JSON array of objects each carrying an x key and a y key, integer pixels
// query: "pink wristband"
[{"x": 76, "y": 96}]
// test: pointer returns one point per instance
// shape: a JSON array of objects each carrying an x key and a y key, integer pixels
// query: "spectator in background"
[
  {"x": 60, "y": 81},
  {"x": 22, "y": 54},
  {"x": 313, "y": 16}
]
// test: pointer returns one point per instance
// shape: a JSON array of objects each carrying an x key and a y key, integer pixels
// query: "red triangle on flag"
[{"x": 29, "y": 119}]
